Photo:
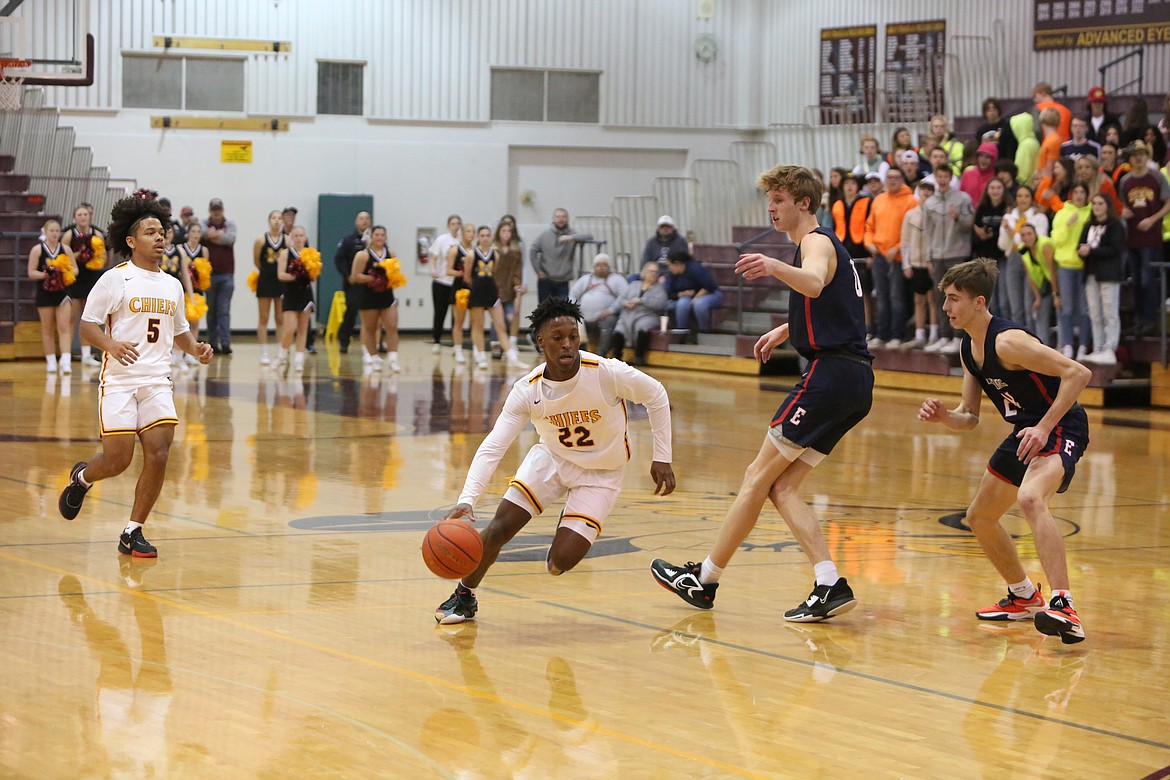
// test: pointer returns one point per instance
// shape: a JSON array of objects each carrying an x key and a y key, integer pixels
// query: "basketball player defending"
[
  {"x": 1035, "y": 388},
  {"x": 827, "y": 327},
  {"x": 575, "y": 400},
  {"x": 145, "y": 315}
]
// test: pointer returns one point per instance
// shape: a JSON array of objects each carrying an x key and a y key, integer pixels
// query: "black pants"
[
  {"x": 441, "y": 298},
  {"x": 352, "y": 294}
]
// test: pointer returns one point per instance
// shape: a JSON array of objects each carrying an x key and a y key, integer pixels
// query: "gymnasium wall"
[{"x": 427, "y": 146}]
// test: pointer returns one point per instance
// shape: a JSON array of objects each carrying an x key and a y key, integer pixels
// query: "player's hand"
[
  {"x": 769, "y": 341},
  {"x": 462, "y": 510},
  {"x": 756, "y": 266},
  {"x": 1032, "y": 441},
  {"x": 124, "y": 352},
  {"x": 663, "y": 476},
  {"x": 932, "y": 410},
  {"x": 203, "y": 352}
]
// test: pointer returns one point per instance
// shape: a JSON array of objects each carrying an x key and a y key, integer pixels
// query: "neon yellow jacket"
[{"x": 1066, "y": 237}]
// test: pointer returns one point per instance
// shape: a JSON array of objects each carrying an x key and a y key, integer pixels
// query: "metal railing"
[
  {"x": 1140, "y": 54},
  {"x": 17, "y": 245}
]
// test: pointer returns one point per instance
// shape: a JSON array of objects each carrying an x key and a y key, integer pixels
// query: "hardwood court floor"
[{"x": 286, "y": 630}]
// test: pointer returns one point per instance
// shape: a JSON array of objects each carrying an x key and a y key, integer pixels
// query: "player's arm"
[
  {"x": 357, "y": 274},
  {"x": 98, "y": 305},
  {"x": 282, "y": 267},
  {"x": 770, "y": 341},
  {"x": 963, "y": 417},
  {"x": 257, "y": 246},
  {"x": 185, "y": 274},
  {"x": 187, "y": 343},
  {"x": 632, "y": 384},
  {"x": 818, "y": 262},
  {"x": 1019, "y": 351},
  {"x": 513, "y": 417},
  {"x": 34, "y": 259}
]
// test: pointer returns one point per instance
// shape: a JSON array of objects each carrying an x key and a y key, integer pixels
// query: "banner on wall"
[
  {"x": 915, "y": 69},
  {"x": 1074, "y": 24},
  {"x": 848, "y": 74}
]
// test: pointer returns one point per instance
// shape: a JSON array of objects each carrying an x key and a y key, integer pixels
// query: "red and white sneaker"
[
  {"x": 1061, "y": 620},
  {"x": 1013, "y": 607}
]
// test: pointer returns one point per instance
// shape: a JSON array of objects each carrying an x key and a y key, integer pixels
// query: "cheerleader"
[
  {"x": 480, "y": 276},
  {"x": 79, "y": 237},
  {"x": 298, "y": 301},
  {"x": 376, "y": 302},
  {"x": 456, "y": 262},
  {"x": 190, "y": 251},
  {"x": 175, "y": 263},
  {"x": 265, "y": 250},
  {"x": 52, "y": 297}
]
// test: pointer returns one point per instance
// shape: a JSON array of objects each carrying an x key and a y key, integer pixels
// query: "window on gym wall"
[
  {"x": 194, "y": 83},
  {"x": 339, "y": 88},
  {"x": 546, "y": 95}
]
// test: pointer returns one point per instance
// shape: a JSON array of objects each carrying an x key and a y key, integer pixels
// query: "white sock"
[
  {"x": 66, "y": 359},
  {"x": 51, "y": 360},
  {"x": 826, "y": 573},
  {"x": 709, "y": 573},
  {"x": 131, "y": 526},
  {"x": 1024, "y": 589},
  {"x": 86, "y": 352},
  {"x": 1067, "y": 594},
  {"x": 82, "y": 480},
  {"x": 920, "y": 334},
  {"x": 392, "y": 356},
  {"x": 934, "y": 332}
]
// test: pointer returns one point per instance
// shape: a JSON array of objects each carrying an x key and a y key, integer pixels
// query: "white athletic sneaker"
[
  {"x": 299, "y": 361},
  {"x": 875, "y": 343},
  {"x": 952, "y": 347},
  {"x": 459, "y": 356},
  {"x": 392, "y": 361},
  {"x": 894, "y": 344},
  {"x": 513, "y": 356},
  {"x": 436, "y": 349},
  {"x": 1104, "y": 357},
  {"x": 1067, "y": 351},
  {"x": 51, "y": 364},
  {"x": 264, "y": 358},
  {"x": 375, "y": 363},
  {"x": 90, "y": 361},
  {"x": 937, "y": 345},
  {"x": 1082, "y": 352},
  {"x": 914, "y": 344},
  {"x": 65, "y": 363}
]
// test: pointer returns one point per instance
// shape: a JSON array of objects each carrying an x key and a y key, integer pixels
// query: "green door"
[{"x": 335, "y": 215}]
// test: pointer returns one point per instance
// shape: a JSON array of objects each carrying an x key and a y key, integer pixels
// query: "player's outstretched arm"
[
  {"x": 517, "y": 412},
  {"x": 817, "y": 257}
]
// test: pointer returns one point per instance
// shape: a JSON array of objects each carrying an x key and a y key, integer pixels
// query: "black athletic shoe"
[
  {"x": 135, "y": 544},
  {"x": 73, "y": 496},
  {"x": 226, "y": 349},
  {"x": 460, "y": 607},
  {"x": 825, "y": 601},
  {"x": 684, "y": 582}
]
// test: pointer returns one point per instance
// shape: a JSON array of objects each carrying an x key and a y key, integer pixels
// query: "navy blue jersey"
[
  {"x": 1022, "y": 397},
  {"x": 834, "y": 320}
]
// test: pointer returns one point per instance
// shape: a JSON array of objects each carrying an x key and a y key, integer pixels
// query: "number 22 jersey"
[{"x": 145, "y": 308}]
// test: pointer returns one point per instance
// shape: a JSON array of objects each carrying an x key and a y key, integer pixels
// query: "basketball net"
[{"x": 11, "y": 86}]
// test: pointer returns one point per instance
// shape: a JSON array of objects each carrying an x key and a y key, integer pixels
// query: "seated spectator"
[
  {"x": 871, "y": 159},
  {"x": 1098, "y": 116},
  {"x": 691, "y": 288},
  {"x": 664, "y": 241},
  {"x": 598, "y": 293},
  {"x": 974, "y": 179},
  {"x": 641, "y": 307},
  {"x": 1079, "y": 145}
]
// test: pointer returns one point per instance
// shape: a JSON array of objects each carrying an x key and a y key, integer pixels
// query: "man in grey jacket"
[
  {"x": 949, "y": 217},
  {"x": 552, "y": 257}
]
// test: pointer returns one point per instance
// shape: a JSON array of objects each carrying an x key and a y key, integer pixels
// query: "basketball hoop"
[{"x": 11, "y": 87}]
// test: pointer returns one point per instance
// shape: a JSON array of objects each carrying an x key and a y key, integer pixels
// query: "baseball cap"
[
  {"x": 216, "y": 203},
  {"x": 874, "y": 176},
  {"x": 665, "y": 220},
  {"x": 908, "y": 155},
  {"x": 288, "y": 209},
  {"x": 186, "y": 211},
  {"x": 1138, "y": 147},
  {"x": 1096, "y": 95}
]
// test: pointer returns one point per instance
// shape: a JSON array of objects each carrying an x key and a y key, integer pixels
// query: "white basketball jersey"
[
  {"x": 145, "y": 308},
  {"x": 583, "y": 426}
]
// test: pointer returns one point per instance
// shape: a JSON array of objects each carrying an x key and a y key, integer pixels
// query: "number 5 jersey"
[{"x": 144, "y": 308}]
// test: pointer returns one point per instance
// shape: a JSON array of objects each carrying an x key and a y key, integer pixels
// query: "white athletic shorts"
[
  {"x": 590, "y": 494},
  {"x": 135, "y": 409}
]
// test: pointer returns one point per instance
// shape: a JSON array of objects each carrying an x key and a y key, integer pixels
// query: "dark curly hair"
[
  {"x": 127, "y": 213},
  {"x": 552, "y": 308}
]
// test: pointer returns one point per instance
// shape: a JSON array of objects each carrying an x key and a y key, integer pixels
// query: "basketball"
[{"x": 452, "y": 549}]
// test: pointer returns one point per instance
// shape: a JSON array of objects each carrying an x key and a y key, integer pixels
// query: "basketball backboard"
[{"x": 56, "y": 41}]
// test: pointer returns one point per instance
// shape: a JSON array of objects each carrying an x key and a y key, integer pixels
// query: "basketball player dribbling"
[
  {"x": 144, "y": 315},
  {"x": 827, "y": 327},
  {"x": 576, "y": 401},
  {"x": 1035, "y": 388}
]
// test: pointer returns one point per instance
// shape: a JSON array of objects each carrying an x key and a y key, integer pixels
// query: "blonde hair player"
[
  {"x": 576, "y": 401},
  {"x": 144, "y": 315}
]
